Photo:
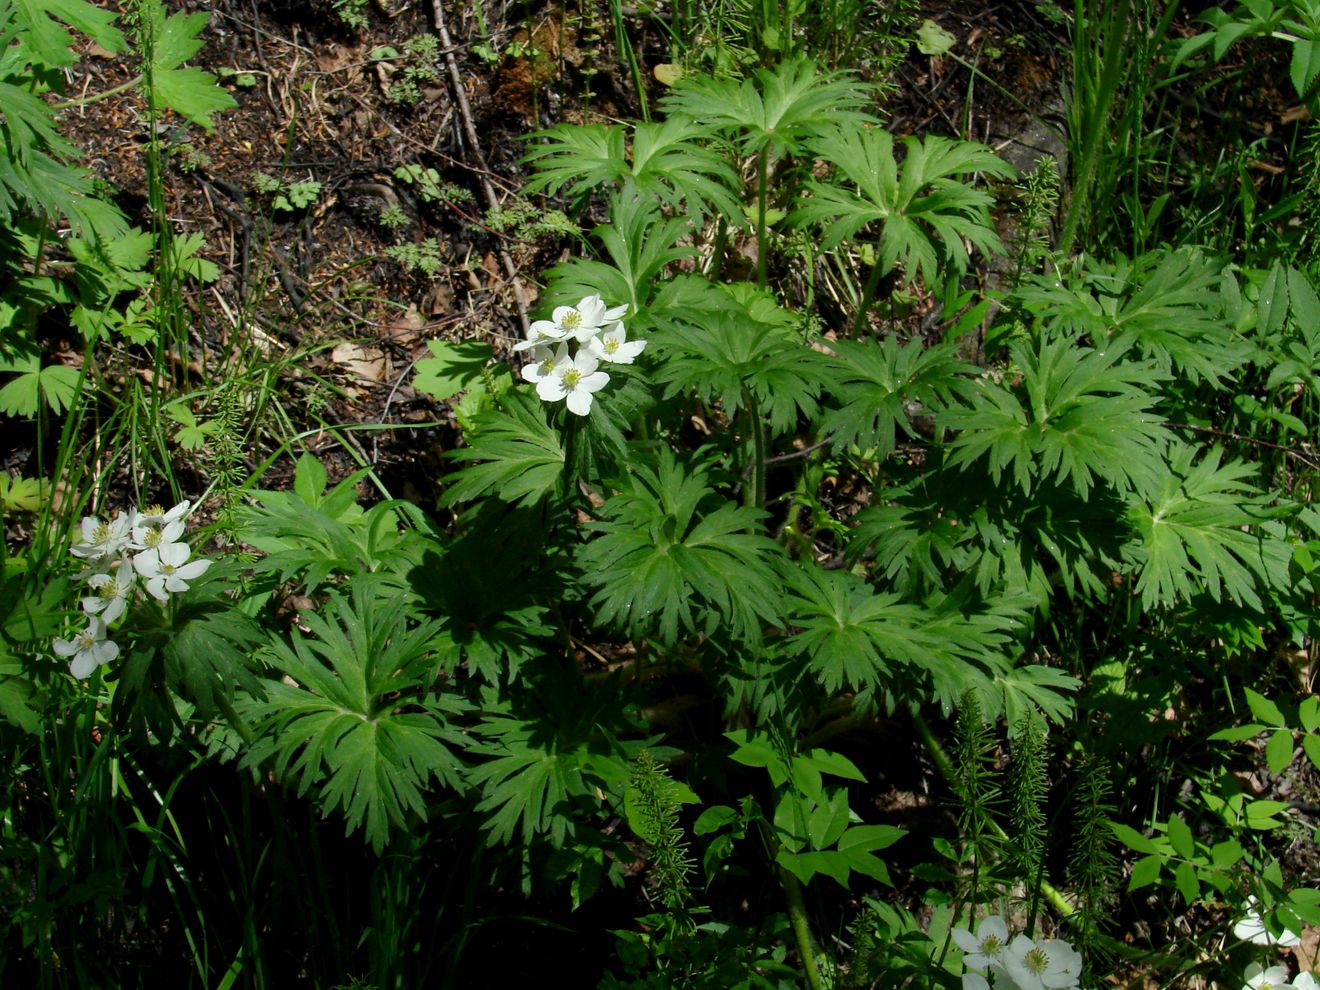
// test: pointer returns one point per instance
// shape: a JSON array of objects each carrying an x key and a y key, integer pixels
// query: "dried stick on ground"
[{"x": 474, "y": 146}]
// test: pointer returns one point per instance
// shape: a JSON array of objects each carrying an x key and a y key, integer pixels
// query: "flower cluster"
[
  {"x": 595, "y": 333},
  {"x": 137, "y": 545},
  {"x": 994, "y": 958}
]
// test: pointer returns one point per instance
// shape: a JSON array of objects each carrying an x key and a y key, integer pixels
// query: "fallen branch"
[{"x": 474, "y": 144}]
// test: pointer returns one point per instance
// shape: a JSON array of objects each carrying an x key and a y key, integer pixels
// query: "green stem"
[
  {"x": 868, "y": 295},
  {"x": 1096, "y": 120},
  {"x": 755, "y": 493},
  {"x": 797, "y": 915},
  {"x": 83, "y": 101},
  {"x": 945, "y": 766},
  {"x": 236, "y": 720},
  {"x": 762, "y": 238}
]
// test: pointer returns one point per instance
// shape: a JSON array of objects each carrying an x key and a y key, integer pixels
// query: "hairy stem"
[
  {"x": 762, "y": 238},
  {"x": 868, "y": 295},
  {"x": 755, "y": 493}
]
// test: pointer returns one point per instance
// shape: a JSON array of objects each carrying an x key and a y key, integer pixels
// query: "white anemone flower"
[
  {"x": 89, "y": 648},
  {"x": 1260, "y": 978},
  {"x": 1050, "y": 964},
  {"x": 987, "y": 946},
  {"x": 102, "y": 540},
  {"x": 148, "y": 535},
  {"x": 155, "y": 515},
  {"x": 574, "y": 381},
  {"x": 581, "y": 322},
  {"x": 614, "y": 347},
  {"x": 1252, "y": 929},
  {"x": 1305, "y": 981},
  {"x": 545, "y": 362},
  {"x": 166, "y": 569},
  {"x": 113, "y": 591}
]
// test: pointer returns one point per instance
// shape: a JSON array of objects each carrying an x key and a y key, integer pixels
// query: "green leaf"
[
  {"x": 1198, "y": 532},
  {"x": 51, "y": 43},
  {"x": 452, "y": 367},
  {"x": 514, "y": 454},
  {"x": 56, "y": 385},
  {"x": 1184, "y": 878},
  {"x": 1180, "y": 837},
  {"x": 17, "y": 696},
  {"x": 171, "y": 41},
  {"x": 933, "y": 39},
  {"x": 1133, "y": 839},
  {"x": 355, "y": 716},
  {"x": 1264, "y": 709},
  {"x": 1261, "y": 814},
  {"x": 876, "y": 384},
  {"x": 672, "y": 557},
  {"x": 926, "y": 212},
  {"x": 1279, "y": 750},
  {"x": 1145, "y": 872},
  {"x": 781, "y": 106}
]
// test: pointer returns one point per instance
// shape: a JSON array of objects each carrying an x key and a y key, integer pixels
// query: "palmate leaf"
[
  {"x": 46, "y": 41},
  {"x": 869, "y": 642},
  {"x": 359, "y": 722},
  {"x": 672, "y": 557},
  {"x": 513, "y": 453},
  {"x": 1080, "y": 416},
  {"x": 1165, "y": 305},
  {"x": 1203, "y": 530},
  {"x": 639, "y": 242},
  {"x": 668, "y": 162},
  {"x": 169, "y": 42},
  {"x": 730, "y": 355},
  {"x": 925, "y": 208},
  {"x": 529, "y": 784},
  {"x": 781, "y": 106},
  {"x": 873, "y": 383}
]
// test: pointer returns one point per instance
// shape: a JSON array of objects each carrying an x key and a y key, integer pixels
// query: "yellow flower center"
[
  {"x": 102, "y": 533},
  {"x": 990, "y": 945},
  {"x": 572, "y": 378},
  {"x": 1037, "y": 960},
  {"x": 154, "y": 510},
  {"x": 611, "y": 345},
  {"x": 572, "y": 320},
  {"x": 167, "y": 569},
  {"x": 153, "y": 537}
]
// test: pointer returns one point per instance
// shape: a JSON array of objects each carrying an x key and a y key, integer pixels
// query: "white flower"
[
  {"x": 987, "y": 946},
  {"x": 612, "y": 346},
  {"x": 88, "y": 649},
  {"x": 155, "y": 527},
  {"x": 1305, "y": 981},
  {"x": 102, "y": 540},
  {"x": 545, "y": 362},
  {"x": 154, "y": 515},
  {"x": 581, "y": 322},
  {"x": 574, "y": 381},
  {"x": 1259, "y": 978},
  {"x": 1252, "y": 929},
  {"x": 113, "y": 591},
  {"x": 166, "y": 570},
  {"x": 1050, "y": 964}
]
